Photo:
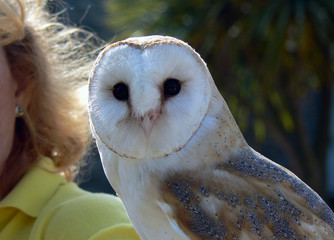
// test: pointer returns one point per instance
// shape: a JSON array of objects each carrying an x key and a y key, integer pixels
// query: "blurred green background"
[{"x": 272, "y": 60}]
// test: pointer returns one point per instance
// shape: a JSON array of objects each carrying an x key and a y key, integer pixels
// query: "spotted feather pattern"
[{"x": 247, "y": 196}]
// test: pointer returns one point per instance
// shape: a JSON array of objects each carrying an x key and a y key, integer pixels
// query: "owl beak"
[{"x": 147, "y": 122}]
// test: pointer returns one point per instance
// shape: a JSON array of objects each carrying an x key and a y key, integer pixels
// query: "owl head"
[{"x": 147, "y": 96}]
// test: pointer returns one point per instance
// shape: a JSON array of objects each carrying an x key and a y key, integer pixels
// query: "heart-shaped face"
[{"x": 148, "y": 96}]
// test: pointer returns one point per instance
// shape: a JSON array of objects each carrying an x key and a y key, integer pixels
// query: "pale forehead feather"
[{"x": 142, "y": 43}]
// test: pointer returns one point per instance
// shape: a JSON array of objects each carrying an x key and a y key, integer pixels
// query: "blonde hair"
[{"x": 54, "y": 61}]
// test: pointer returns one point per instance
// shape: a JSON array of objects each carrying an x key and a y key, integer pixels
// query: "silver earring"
[{"x": 19, "y": 111}]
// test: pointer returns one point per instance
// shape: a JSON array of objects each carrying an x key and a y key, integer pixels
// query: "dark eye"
[
  {"x": 120, "y": 91},
  {"x": 171, "y": 87}
]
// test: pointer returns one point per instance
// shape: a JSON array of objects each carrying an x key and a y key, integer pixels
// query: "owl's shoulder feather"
[{"x": 245, "y": 196}]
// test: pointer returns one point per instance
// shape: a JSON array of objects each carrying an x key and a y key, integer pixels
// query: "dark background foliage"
[{"x": 272, "y": 61}]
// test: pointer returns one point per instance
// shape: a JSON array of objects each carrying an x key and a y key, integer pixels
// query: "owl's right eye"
[{"x": 121, "y": 92}]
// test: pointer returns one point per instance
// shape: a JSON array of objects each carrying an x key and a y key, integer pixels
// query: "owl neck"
[{"x": 225, "y": 125}]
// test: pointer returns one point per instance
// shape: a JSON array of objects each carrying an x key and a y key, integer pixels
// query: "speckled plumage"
[{"x": 194, "y": 176}]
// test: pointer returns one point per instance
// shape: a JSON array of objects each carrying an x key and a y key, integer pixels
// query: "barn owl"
[{"x": 174, "y": 154}]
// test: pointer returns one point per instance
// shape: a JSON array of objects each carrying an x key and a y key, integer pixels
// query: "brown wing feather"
[{"x": 246, "y": 197}]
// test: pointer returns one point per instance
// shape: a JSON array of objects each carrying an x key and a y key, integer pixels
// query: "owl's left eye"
[
  {"x": 172, "y": 87},
  {"x": 121, "y": 92}
]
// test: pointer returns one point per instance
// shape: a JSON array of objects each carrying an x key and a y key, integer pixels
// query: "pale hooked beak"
[{"x": 147, "y": 121}]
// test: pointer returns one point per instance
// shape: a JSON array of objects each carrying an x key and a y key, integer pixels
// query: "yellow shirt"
[{"x": 44, "y": 206}]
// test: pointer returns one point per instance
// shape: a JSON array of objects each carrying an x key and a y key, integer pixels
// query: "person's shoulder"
[
  {"x": 77, "y": 214},
  {"x": 96, "y": 206}
]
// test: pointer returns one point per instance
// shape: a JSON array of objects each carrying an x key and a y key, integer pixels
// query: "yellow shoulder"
[{"x": 76, "y": 214}]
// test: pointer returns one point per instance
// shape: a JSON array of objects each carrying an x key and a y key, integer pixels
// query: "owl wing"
[{"x": 244, "y": 197}]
